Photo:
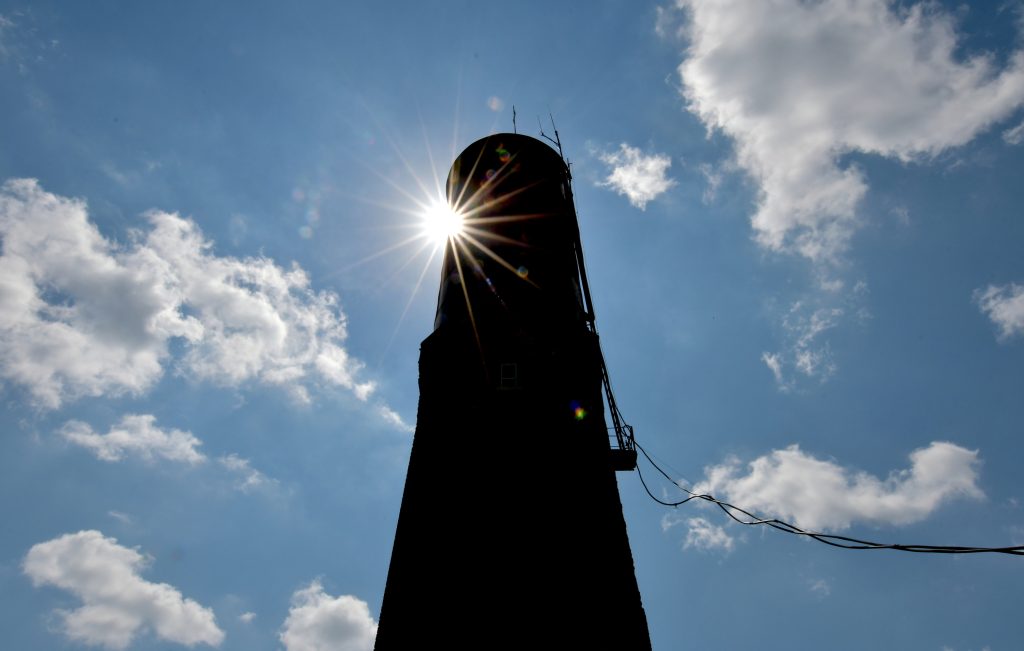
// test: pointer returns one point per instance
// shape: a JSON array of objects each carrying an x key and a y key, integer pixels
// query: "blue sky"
[{"x": 803, "y": 229}]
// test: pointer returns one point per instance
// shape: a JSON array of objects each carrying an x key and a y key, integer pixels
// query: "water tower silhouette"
[{"x": 511, "y": 533}]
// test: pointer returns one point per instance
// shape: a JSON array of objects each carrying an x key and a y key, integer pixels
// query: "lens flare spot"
[
  {"x": 578, "y": 412},
  {"x": 440, "y": 222}
]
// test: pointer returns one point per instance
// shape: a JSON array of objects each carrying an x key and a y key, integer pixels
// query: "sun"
[{"x": 441, "y": 222}]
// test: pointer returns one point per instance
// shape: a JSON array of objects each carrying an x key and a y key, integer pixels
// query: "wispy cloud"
[
  {"x": 713, "y": 179},
  {"x": 123, "y": 518},
  {"x": 863, "y": 76},
  {"x": 805, "y": 355},
  {"x": 819, "y": 587},
  {"x": 316, "y": 621},
  {"x": 640, "y": 177},
  {"x": 23, "y": 44},
  {"x": 820, "y": 494},
  {"x": 1014, "y": 135},
  {"x": 1004, "y": 305},
  {"x": 774, "y": 363},
  {"x": 248, "y": 478},
  {"x": 117, "y": 603},
  {"x": 394, "y": 418}
]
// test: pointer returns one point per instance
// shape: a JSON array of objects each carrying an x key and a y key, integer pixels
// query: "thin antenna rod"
[
  {"x": 558, "y": 141},
  {"x": 514, "y": 130},
  {"x": 547, "y": 137}
]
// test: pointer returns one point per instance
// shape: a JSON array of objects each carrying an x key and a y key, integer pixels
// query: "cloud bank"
[
  {"x": 797, "y": 85},
  {"x": 81, "y": 315},
  {"x": 117, "y": 603}
]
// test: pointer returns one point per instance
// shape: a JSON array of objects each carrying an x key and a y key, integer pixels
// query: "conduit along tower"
[{"x": 510, "y": 533}]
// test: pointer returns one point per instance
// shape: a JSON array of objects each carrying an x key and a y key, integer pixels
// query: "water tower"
[{"x": 511, "y": 532}]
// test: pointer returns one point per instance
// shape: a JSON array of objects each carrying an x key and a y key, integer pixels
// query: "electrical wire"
[
  {"x": 844, "y": 542},
  {"x": 626, "y": 440}
]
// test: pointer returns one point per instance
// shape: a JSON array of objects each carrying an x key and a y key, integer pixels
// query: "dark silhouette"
[{"x": 511, "y": 532}]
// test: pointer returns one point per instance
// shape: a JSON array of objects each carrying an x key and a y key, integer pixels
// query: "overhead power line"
[
  {"x": 845, "y": 542},
  {"x": 625, "y": 440}
]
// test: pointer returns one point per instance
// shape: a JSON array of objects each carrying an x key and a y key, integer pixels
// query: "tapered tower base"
[{"x": 511, "y": 532}]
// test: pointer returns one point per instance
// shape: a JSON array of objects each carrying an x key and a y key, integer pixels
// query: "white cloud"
[
  {"x": 819, "y": 494},
  {"x": 701, "y": 534},
  {"x": 81, "y": 315},
  {"x": 117, "y": 603},
  {"x": 638, "y": 176},
  {"x": 249, "y": 479},
  {"x": 1004, "y": 305},
  {"x": 247, "y": 617},
  {"x": 73, "y": 320},
  {"x": 799, "y": 84},
  {"x": 138, "y": 435},
  {"x": 319, "y": 622},
  {"x": 704, "y": 536}
]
